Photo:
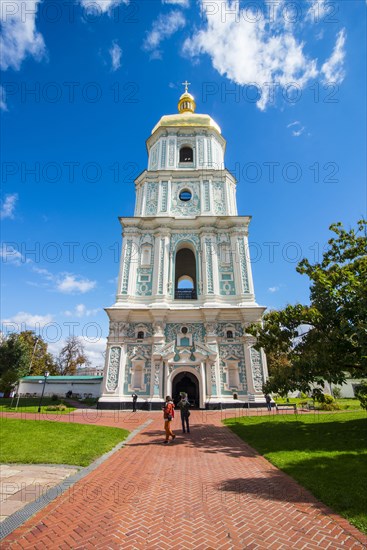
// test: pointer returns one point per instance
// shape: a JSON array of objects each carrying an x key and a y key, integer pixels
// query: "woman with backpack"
[
  {"x": 184, "y": 406},
  {"x": 168, "y": 415}
]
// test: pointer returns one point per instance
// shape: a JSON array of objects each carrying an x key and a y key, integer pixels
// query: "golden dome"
[{"x": 186, "y": 116}]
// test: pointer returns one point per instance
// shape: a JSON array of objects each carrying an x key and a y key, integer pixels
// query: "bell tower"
[{"x": 185, "y": 290}]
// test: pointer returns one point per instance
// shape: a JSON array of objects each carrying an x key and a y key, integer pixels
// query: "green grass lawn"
[
  {"x": 344, "y": 403},
  {"x": 30, "y": 405},
  {"x": 48, "y": 442},
  {"x": 326, "y": 453}
]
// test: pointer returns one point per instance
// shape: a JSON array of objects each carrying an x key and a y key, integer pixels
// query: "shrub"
[
  {"x": 54, "y": 397},
  {"x": 361, "y": 393},
  {"x": 328, "y": 399},
  {"x": 337, "y": 392},
  {"x": 60, "y": 407},
  {"x": 333, "y": 406}
]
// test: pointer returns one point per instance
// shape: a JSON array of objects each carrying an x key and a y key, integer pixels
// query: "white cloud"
[
  {"x": 115, "y": 53},
  {"x": 8, "y": 206},
  {"x": 181, "y": 3},
  {"x": 163, "y": 27},
  {"x": 23, "y": 319},
  {"x": 250, "y": 50},
  {"x": 293, "y": 124},
  {"x": 3, "y": 105},
  {"x": 273, "y": 289},
  {"x": 298, "y": 128},
  {"x": 333, "y": 68},
  {"x": 81, "y": 311},
  {"x": 19, "y": 36},
  {"x": 70, "y": 283},
  {"x": 102, "y": 6},
  {"x": 11, "y": 255}
]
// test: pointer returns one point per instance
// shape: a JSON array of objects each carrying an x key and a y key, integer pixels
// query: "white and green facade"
[{"x": 185, "y": 290}]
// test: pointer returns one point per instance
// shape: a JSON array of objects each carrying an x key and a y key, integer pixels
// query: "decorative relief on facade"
[
  {"x": 163, "y": 154},
  {"x": 209, "y": 152},
  {"x": 236, "y": 328},
  {"x": 140, "y": 353},
  {"x": 171, "y": 152},
  {"x": 196, "y": 329},
  {"x": 219, "y": 198},
  {"x": 144, "y": 282},
  {"x": 164, "y": 196},
  {"x": 201, "y": 151},
  {"x": 161, "y": 267},
  {"x": 209, "y": 265},
  {"x": 154, "y": 157},
  {"x": 134, "y": 328},
  {"x": 185, "y": 208},
  {"x": 228, "y": 352},
  {"x": 188, "y": 237},
  {"x": 257, "y": 369},
  {"x": 206, "y": 196},
  {"x": 126, "y": 267},
  {"x": 213, "y": 379},
  {"x": 113, "y": 368},
  {"x": 243, "y": 265},
  {"x": 152, "y": 199}
]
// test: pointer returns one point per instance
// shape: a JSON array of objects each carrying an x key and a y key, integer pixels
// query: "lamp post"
[{"x": 43, "y": 389}]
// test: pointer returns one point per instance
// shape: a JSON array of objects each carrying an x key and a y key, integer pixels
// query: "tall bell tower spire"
[{"x": 185, "y": 290}]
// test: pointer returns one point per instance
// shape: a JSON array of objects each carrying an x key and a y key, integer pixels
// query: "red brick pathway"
[{"x": 207, "y": 490}]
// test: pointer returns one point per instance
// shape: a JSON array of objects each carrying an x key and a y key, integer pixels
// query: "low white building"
[{"x": 81, "y": 386}]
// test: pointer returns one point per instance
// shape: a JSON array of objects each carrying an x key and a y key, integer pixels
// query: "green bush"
[
  {"x": 54, "y": 397},
  {"x": 337, "y": 392},
  {"x": 361, "y": 393},
  {"x": 60, "y": 407},
  {"x": 328, "y": 399}
]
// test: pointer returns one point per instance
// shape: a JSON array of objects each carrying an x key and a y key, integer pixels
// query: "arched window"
[
  {"x": 140, "y": 335},
  {"x": 229, "y": 334},
  {"x": 185, "y": 275},
  {"x": 186, "y": 154}
]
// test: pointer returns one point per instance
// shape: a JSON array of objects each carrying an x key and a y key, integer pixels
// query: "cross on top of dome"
[{"x": 186, "y": 84}]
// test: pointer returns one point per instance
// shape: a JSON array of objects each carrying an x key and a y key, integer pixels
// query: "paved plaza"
[{"x": 206, "y": 490}]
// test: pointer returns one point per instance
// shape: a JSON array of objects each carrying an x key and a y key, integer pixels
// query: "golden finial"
[{"x": 186, "y": 103}]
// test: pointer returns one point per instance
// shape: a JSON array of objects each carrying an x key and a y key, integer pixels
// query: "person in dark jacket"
[
  {"x": 135, "y": 398},
  {"x": 184, "y": 407}
]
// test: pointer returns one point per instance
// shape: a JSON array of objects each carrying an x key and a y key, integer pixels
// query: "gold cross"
[{"x": 186, "y": 84}]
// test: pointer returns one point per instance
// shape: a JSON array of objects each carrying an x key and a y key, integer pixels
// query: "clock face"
[{"x": 185, "y": 195}]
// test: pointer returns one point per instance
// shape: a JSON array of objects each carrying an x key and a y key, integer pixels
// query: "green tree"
[
  {"x": 40, "y": 360},
  {"x": 71, "y": 356},
  {"x": 325, "y": 340},
  {"x": 361, "y": 394},
  {"x": 14, "y": 361}
]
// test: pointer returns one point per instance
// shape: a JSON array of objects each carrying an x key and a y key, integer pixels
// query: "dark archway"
[
  {"x": 188, "y": 383},
  {"x": 185, "y": 270},
  {"x": 186, "y": 154}
]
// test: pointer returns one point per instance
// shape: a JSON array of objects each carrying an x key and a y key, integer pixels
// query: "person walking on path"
[
  {"x": 135, "y": 398},
  {"x": 184, "y": 406},
  {"x": 168, "y": 415},
  {"x": 268, "y": 401}
]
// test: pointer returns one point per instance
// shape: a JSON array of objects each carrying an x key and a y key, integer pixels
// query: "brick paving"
[{"x": 207, "y": 490}]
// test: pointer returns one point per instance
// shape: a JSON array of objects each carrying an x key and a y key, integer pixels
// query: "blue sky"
[{"x": 83, "y": 84}]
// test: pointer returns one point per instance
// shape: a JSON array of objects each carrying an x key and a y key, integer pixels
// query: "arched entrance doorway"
[{"x": 188, "y": 383}]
